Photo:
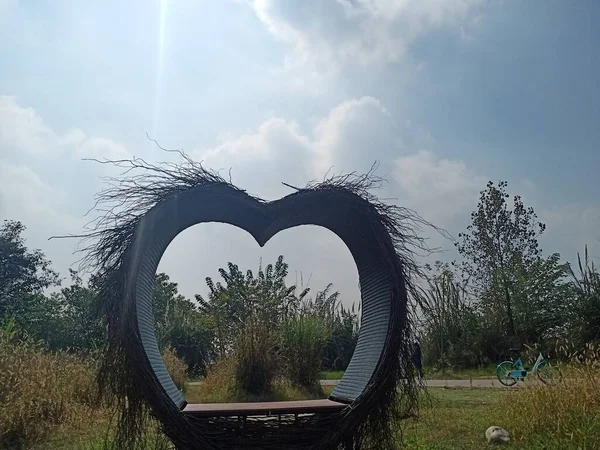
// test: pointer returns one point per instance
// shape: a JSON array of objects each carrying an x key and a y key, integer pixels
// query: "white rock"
[{"x": 497, "y": 435}]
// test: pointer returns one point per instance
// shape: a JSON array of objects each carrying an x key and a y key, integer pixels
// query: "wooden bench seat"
[{"x": 263, "y": 408}]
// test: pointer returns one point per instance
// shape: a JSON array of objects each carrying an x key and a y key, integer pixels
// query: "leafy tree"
[
  {"x": 247, "y": 301},
  {"x": 245, "y": 313},
  {"x": 167, "y": 301},
  {"x": 500, "y": 246},
  {"x": 73, "y": 316},
  {"x": 181, "y": 325},
  {"x": 260, "y": 320},
  {"x": 24, "y": 274},
  {"x": 541, "y": 300}
]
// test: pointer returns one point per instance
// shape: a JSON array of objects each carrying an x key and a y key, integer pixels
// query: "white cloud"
[
  {"x": 261, "y": 160},
  {"x": 444, "y": 191},
  {"x": 569, "y": 228},
  {"x": 352, "y": 134},
  {"x": 329, "y": 34},
  {"x": 22, "y": 128},
  {"x": 94, "y": 147},
  {"x": 24, "y": 132},
  {"x": 349, "y": 138},
  {"x": 42, "y": 179},
  {"x": 25, "y": 196},
  {"x": 43, "y": 209}
]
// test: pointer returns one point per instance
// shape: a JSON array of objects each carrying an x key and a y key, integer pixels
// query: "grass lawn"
[
  {"x": 454, "y": 419},
  {"x": 333, "y": 375},
  {"x": 198, "y": 393},
  {"x": 90, "y": 434},
  {"x": 450, "y": 419},
  {"x": 467, "y": 374},
  {"x": 433, "y": 374}
]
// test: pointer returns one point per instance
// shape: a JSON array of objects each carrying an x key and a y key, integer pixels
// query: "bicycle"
[{"x": 509, "y": 372}]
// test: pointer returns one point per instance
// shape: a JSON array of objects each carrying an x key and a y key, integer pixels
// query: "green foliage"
[
  {"x": 24, "y": 274},
  {"x": 264, "y": 325},
  {"x": 585, "y": 307},
  {"x": 343, "y": 327},
  {"x": 499, "y": 246},
  {"x": 505, "y": 293},
  {"x": 244, "y": 313},
  {"x": 452, "y": 325},
  {"x": 541, "y": 300},
  {"x": 512, "y": 295},
  {"x": 181, "y": 325},
  {"x": 302, "y": 339},
  {"x": 264, "y": 298},
  {"x": 74, "y": 320}
]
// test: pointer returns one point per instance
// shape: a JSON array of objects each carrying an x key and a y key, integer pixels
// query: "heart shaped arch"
[{"x": 147, "y": 211}]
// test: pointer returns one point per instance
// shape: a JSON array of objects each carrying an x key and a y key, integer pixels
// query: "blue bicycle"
[{"x": 509, "y": 372}]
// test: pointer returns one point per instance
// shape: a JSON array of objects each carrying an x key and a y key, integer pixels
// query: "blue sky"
[{"x": 445, "y": 94}]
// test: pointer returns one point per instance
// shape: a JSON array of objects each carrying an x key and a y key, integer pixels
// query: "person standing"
[{"x": 417, "y": 360}]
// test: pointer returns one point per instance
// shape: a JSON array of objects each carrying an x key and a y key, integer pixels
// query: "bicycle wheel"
[
  {"x": 503, "y": 373},
  {"x": 544, "y": 372}
]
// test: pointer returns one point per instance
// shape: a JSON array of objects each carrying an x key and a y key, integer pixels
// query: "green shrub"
[{"x": 302, "y": 340}]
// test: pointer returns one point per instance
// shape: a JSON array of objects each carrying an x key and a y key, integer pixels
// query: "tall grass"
[
  {"x": 255, "y": 360},
  {"x": 176, "y": 367},
  {"x": 566, "y": 411},
  {"x": 39, "y": 390},
  {"x": 302, "y": 340},
  {"x": 44, "y": 393},
  {"x": 219, "y": 386}
]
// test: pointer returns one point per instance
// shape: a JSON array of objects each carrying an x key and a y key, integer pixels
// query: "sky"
[{"x": 444, "y": 94}]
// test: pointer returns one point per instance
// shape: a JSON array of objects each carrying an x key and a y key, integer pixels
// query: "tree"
[
  {"x": 541, "y": 300},
  {"x": 500, "y": 246},
  {"x": 247, "y": 301},
  {"x": 166, "y": 302},
  {"x": 259, "y": 320},
  {"x": 24, "y": 274},
  {"x": 181, "y": 325},
  {"x": 76, "y": 326}
]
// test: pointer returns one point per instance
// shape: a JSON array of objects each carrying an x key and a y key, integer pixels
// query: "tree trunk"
[{"x": 511, "y": 322}]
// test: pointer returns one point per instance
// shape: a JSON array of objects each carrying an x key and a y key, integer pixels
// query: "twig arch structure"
[{"x": 128, "y": 244}]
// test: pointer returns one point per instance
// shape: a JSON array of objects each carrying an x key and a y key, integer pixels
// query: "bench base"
[{"x": 263, "y": 408}]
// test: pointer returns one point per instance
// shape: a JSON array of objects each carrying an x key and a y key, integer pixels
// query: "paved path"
[{"x": 475, "y": 383}]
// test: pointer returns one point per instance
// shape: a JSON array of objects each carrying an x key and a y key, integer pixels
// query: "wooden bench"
[{"x": 263, "y": 408}]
